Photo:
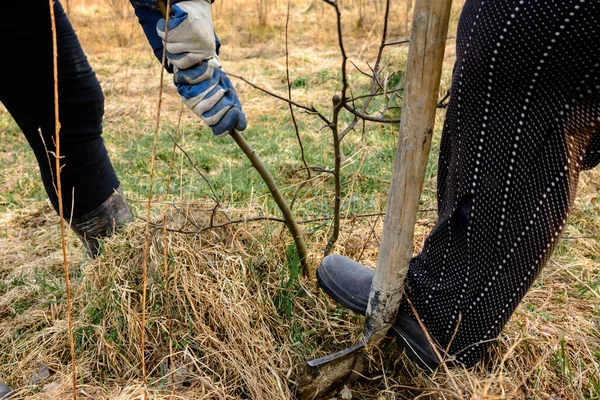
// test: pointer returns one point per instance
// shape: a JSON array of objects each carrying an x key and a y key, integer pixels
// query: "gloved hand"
[
  {"x": 199, "y": 76},
  {"x": 208, "y": 92},
  {"x": 191, "y": 35}
]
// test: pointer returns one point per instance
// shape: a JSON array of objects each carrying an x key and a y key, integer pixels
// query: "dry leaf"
[{"x": 346, "y": 393}]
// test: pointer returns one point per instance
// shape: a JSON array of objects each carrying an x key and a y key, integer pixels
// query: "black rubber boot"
[
  {"x": 349, "y": 283},
  {"x": 102, "y": 222},
  {"x": 5, "y": 391}
]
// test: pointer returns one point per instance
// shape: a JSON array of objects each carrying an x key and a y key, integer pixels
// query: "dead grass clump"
[
  {"x": 238, "y": 316},
  {"x": 243, "y": 324}
]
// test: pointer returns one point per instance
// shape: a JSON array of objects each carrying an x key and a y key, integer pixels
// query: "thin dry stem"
[
  {"x": 338, "y": 104},
  {"x": 149, "y": 203},
  {"x": 434, "y": 347},
  {"x": 59, "y": 195},
  {"x": 167, "y": 275},
  {"x": 289, "y": 85},
  {"x": 308, "y": 109}
]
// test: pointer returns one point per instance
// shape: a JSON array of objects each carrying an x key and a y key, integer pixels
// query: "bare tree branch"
[
  {"x": 268, "y": 218},
  {"x": 266, "y": 176},
  {"x": 338, "y": 103},
  {"x": 215, "y": 197},
  {"x": 289, "y": 85},
  {"x": 316, "y": 169},
  {"x": 393, "y": 91},
  {"x": 221, "y": 225},
  {"x": 375, "y": 84},
  {"x": 361, "y": 71},
  {"x": 310, "y": 110},
  {"x": 396, "y": 43},
  {"x": 368, "y": 117}
]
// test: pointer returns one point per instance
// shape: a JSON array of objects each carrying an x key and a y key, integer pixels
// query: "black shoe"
[
  {"x": 102, "y": 222},
  {"x": 5, "y": 391},
  {"x": 349, "y": 283}
]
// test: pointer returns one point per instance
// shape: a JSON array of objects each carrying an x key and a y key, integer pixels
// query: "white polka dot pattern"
[{"x": 523, "y": 121}]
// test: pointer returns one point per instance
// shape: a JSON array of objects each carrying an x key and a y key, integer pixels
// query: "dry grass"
[
  {"x": 231, "y": 310},
  {"x": 234, "y": 331},
  {"x": 242, "y": 324}
]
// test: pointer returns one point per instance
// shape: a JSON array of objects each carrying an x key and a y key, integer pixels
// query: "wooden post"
[{"x": 423, "y": 72}]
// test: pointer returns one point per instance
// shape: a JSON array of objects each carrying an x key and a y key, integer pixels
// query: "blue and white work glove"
[
  {"x": 208, "y": 92},
  {"x": 191, "y": 35},
  {"x": 199, "y": 76}
]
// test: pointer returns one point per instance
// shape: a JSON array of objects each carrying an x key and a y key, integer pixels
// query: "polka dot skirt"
[{"x": 523, "y": 121}]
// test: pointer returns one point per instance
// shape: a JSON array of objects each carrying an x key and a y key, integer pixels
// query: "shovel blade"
[{"x": 327, "y": 373}]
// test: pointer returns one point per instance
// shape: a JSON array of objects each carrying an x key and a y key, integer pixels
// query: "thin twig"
[
  {"x": 54, "y": 181},
  {"x": 166, "y": 262},
  {"x": 202, "y": 175},
  {"x": 265, "y": 218},
  {"x": 149, "y": 205},
  {"x": 289, "y": 85},
  {"x": 383, "y": 37},
  {"x": 447, "y": 350},
  {"x": 310, "y": 110},
  {"x": 361, "y": 71},
  {"x": 221, "y": 225},
  {"x": 434, "y": 347},
  {"x": 374, "y": 95},
  {"x": 349, "y": 128},
  {"x": 371, "y": 118},
  {"x": 337, "y": 149},
  {"x": 59, "y": 194},
  {"x": 396, "y": 43},
  {"x": 375, "y": 77},
  {"x": 338, "y": 104},
  {"x": 351, "y": 216},
  {"x": 297, "y": 192},
  {"x": 588, "y": 287},
  {"x": 340, "y": 36},
  {"x": 316, "y": 169},
  {"x": 368, "y": 239}
]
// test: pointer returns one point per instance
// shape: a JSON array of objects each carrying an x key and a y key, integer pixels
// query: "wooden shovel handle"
[{"x": 423, "y": 71}]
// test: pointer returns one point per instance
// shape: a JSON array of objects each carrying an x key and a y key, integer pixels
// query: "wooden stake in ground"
[{"x": 423, "y": 71}]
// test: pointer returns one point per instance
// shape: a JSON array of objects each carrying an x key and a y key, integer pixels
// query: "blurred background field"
[{"x": 229, "y": 315}]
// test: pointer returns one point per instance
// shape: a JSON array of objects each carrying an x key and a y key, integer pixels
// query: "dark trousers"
[
  {"x": 522, "y": 123},
  {"x": 26, "y": 90}
]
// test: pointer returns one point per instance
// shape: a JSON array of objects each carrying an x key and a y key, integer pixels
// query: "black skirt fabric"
[{"x": 523, "y": 121}]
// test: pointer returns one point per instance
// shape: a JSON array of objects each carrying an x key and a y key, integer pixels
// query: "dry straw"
[
  {"x": 233, "y": 336},
  {"x": 59, "y": 193}
]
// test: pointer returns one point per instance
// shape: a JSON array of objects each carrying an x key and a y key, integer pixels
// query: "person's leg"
[
  {"x": 521, "y": 124},
  {"x": 26, "y": 90},
  {"x": 525, "y": 106}
]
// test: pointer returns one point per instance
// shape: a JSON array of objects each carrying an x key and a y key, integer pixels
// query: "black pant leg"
[
  {"x": 521, "y": 124},
  {"x": 26, "y": 90}
]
